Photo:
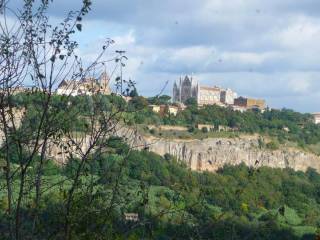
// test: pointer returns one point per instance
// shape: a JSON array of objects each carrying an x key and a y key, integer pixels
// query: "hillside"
[
  {"x": 173, "y": 202},
  {"x": 167, "y": 199},
  {"x": 275, "y": 138}
]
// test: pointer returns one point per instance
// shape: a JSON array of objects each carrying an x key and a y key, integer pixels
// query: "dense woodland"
[{"x": 174, "y": 202}]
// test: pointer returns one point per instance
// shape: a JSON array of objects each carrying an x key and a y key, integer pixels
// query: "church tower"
[{"x": 104, "y": 83}]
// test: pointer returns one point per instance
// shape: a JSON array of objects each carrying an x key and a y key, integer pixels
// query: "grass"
[
  {"x": 315, "y": 148},
  {"x": 196, "y": 134}
]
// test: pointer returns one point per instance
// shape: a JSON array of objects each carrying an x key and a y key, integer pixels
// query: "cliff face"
[
  {"x": 201, "y": 155},
  {"x": 212, "y": 154}
]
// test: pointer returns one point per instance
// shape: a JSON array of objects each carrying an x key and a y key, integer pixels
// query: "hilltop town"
[
  {"x": 188, "y": 88},
  {"x": 184, "y": 90}
]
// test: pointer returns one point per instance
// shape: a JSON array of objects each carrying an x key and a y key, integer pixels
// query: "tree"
[
  {"x": 34, "y": 50},
  {"x": 159, "y": 100},
  {"x": 191, "y": 102},
  {"x": 134, "y": 92},
  {"x": 139, "y": 103}
]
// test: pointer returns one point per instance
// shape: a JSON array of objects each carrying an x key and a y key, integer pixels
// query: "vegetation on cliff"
[{"x": 283, "y": 125}]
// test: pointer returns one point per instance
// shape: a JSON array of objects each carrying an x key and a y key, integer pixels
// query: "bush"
[
  {"x": 191, "y": 129},
  {"x": 272, "y": 145},
  {"x": 204, "y": 130},
  {"x": 152, "y": 131}
]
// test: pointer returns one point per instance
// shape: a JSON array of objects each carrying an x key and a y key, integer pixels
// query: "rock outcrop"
[{"x": 212, "y": 154}]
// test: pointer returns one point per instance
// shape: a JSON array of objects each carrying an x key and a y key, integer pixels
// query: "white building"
[
  {"x": 316, "y": 118},
  {"x": 228, "y": 96},
  {"x": 208, "y": 95},
  {"x": 188, "y": 88}
]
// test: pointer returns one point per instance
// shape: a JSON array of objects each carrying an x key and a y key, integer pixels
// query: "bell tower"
[{"x": 104, "y": 83}]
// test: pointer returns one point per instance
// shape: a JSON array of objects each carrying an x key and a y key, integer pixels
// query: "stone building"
[
  {"x": 188, "y": 88},
  {"x": 183, "y": 90},
  {"x": 208, "y": 95},
  {"x": 316, "y": 117},
  {"x": 250, "y": 103},
  {"x": 86, "y": 86},
  {"x": 131, "y": 217},
  {"x": 165, "y": 109},
  {"x": 228, "y": 96}
]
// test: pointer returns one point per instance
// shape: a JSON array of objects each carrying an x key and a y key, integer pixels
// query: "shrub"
[
  {"x": 152, "y": 131},
  {"x": 204, "y": 130},
  {"x": 272, "y": 145}
]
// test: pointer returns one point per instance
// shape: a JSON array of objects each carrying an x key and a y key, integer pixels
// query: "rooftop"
[{"x": 210, "y": 88}]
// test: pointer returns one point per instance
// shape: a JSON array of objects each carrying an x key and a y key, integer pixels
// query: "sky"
[{"x": 259, "y": 48}]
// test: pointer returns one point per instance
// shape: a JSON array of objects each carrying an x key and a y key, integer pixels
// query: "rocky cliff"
[
  {"x": 212, "y": 154},
  {"x": 201, "y": 155},
  {"x": 209, "y": 154}
]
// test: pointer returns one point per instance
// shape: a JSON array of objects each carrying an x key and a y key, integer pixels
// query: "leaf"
[
  {"x": 53, "y": 58},
  {"x": 79, "y": 27}
]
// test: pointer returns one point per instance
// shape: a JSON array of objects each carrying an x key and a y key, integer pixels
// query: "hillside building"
[
  {"x": 188, "y": 88},
  {"x": 228, "y": 96},
  {"x": 86, "y": 86},
  {"x": 183, "y": 90},
  {"x": 208, "y": 95},
  {"x": 165, "y": 109},
  {"x": 316, "y": 117},
  {"x": 250, "y": 103}
]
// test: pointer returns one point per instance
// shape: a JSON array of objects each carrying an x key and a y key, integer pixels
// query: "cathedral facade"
[{"x": 183, "y": 90}]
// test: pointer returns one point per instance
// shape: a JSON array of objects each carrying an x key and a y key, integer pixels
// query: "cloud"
[{"x": 260, "y": 48}]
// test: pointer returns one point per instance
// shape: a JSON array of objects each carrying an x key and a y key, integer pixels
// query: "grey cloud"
[{"x": 260, "y": 48}]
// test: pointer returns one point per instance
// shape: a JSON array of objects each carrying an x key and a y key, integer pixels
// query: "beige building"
[
  {"x": 316, "y": 117},
  {"x": 208, "y": 95},
  {"x": 205, "y": 95},
  {"x": 87, "y": 86},
  {"x": 155, "y": 108},
  {"x": 209, "y": 127},
  {"x": 164, "y": 109},
  {"x": 173, "y": 110},
  {"x": 250, "y": 103}
]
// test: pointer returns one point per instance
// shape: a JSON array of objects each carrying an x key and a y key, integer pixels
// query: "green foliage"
[
  {"x": 204, "y": 130},
  {"x": 172, "y": 201},
  {"x": 134, "y": 92},
  {"x": 191, "y": 102},
  {"x": 138, "y": 103},
  {"x": 271, "y": 122},
  {"x": 238, "y": 202},
  {"x": 272, "y": 145},
  {"x": 159, "y": 100}
]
